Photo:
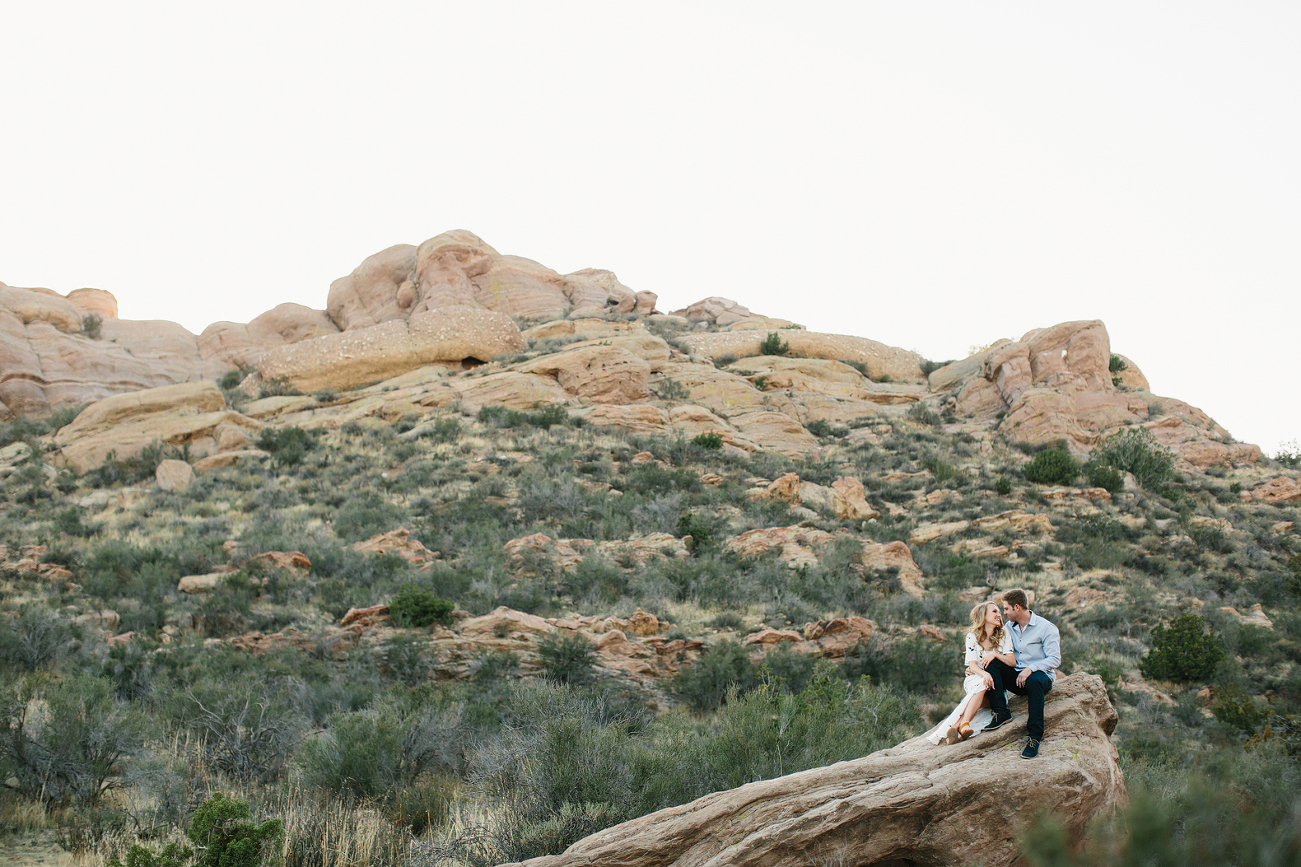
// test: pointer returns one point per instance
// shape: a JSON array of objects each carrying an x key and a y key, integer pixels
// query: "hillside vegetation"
[{"x": 456, "y": 692}]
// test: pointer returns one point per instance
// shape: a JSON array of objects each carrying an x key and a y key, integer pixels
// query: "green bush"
[
  {"x": 288, "y": 445},
  {"x": 1117, "y": 364},
  {"x": 225, "y": 837},
  {"x": 1184, "y": 652},
  {"x": 416, "y": 607},
  {"x": 917, "y": 664},
  {"x": 1003, "y": 486},
  {"x": 1136, "y": 451},
  {"x": 567, "y": 658},
  {"x": 1104, "y": 476},
  {"x": 365, "y": 515},
  {"x": 230, "y": 379},
  {"x": 773, "y": 345},
  {"x": 1052, "y": 466},
  {"x": 710, "y": 440},
  {"x": 704, "y": 685},
  {"x": 1289, "y": 455}
]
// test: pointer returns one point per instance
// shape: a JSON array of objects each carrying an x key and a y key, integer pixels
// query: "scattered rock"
[
  {"x": 1280, "y": 489},
  {"x": 173, "y": 475}
]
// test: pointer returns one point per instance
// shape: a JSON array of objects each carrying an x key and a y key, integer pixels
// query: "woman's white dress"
[{"x": 973, "y": 688}]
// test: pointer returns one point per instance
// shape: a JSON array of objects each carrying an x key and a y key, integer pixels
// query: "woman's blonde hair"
[{"x": 978, "y": 624}]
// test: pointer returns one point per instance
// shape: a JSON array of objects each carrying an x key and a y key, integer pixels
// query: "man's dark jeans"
[{"x": 1036, "y": 685}]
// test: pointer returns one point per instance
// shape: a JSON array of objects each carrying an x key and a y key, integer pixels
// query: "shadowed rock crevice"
[{"x": 914, "y": 804}]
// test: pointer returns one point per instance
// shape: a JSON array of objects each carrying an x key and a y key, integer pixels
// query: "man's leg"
[
  {"x": 1036, "y": 685},
  {"x": 1003, "y": 674}
]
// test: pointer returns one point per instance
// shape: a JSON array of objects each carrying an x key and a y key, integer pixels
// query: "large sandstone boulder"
[
  {"x": 241, "y": 345},
  {"x": 915, "y": 804},
  {"x": 180, "y": 415},
  {"x": 365, "y": 355},
  {"x": 458, "y": 269}
]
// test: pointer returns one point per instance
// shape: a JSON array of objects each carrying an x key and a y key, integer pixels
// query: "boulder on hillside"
[
  {"x": 179, "y": 415},
  {"x": 915, "y": 803},
  {"x": 239, "y": 345},
  {"x": 458, "y": 269},
  {"x": 365, "y": 355}
]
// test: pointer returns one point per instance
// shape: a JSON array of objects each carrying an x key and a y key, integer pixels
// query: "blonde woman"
[{"x": 986, "y": 641}]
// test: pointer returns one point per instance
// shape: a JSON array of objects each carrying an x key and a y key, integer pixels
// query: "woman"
[{"x": 986, "y": 640}]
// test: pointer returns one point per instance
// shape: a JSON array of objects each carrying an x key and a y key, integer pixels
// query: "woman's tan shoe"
[
  {"x": 952, "y": 736},
  {"x": 965, "y": 731}
]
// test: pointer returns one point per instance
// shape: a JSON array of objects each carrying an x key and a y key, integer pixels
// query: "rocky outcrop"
[
  {"x": 913, "y": 804},
  {"x": 458, "y": 269},
  {"x": 47, "y": 361},
  {"x": 184, "y": 415},
  {"x": 241, "y": 346},
  {"x": 881, "y": 362},
  {"x": 797, "y": 546},
  {"x": 1056, "y": 383},
  {"x": 365, "y": 355}
]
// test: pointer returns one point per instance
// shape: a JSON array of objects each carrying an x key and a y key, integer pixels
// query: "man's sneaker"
[
  {"x": 998, "y": 722},
  {"x": 1031, "y": 749}
]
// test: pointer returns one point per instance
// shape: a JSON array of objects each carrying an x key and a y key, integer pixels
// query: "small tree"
[
  {"x": 1136, "y": 451},
  {"x": 774, "y": 345},
  {"x": 1184, "y": 652}
]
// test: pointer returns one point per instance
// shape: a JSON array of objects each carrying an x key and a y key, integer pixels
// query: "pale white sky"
[{"x": 931, "y": 175}]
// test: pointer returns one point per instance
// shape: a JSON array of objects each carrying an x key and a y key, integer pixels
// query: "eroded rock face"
[
  {"x": 912, "y": 804},
  {"x": 180, "y": 415},
  {"x": 879, "y": 360},
  {"x": 365, "y": 355},
  {"x": 47, "y": 361},
  {"x": 458, "y": 269},
  {"x": 1056, "y": 383}
]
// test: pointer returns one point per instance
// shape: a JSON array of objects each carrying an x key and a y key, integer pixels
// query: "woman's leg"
[{"x": 973, "y": 707}]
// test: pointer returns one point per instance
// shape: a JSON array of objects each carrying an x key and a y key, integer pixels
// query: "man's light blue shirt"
[{"x": 1038, "y": 646}]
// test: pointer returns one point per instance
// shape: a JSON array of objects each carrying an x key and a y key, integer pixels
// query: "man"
[{"x": 1038, "y": 650}]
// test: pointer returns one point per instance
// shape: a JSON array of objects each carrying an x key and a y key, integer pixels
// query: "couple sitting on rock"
[{"x": 1021, "y": 656}]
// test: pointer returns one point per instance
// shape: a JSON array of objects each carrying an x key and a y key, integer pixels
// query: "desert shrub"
[
  {"x": 918, "y": 664},
  {"x": 249, "y": 725},
  {"x": 367, "y": 514},
  {"x": 942, "y": 470},
  {"x": 1136, "y": 451},
  {"x": 1117, "y": 364},
  {"x": 544, "y": 417},
  {"x": 1289, "y": 454},
  {"x": 37, "y": 638},
  {"x": 711, "y": 440},
  {"x": 92, "y": 325},
  {"x": 1003, "y": 487},
  {"x": 671, "y": 389},
  {"x": 701, "y": 531},
  {"x": 417, "y": 607},
  {"x": 1184, "y": 652},
  {"x": 1102, "y": 475},
  {"x": 230, "y": 379},
  {"x": 288, "y": 445},
  {"x": 1052, "y": 466},
  {"x": 922, "y": 414},
  {"x": 279, "y": 387},
  {"x": 704, "y": 685},
  {"x": 567, "y": 659},
  {"x": 66, "y": 740},
  {"x": 819, "y": 427},
  {"x": 773, "y": 345}
]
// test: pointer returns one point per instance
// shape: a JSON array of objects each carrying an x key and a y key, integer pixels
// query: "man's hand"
[{"x": 1022, "y": 676}]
